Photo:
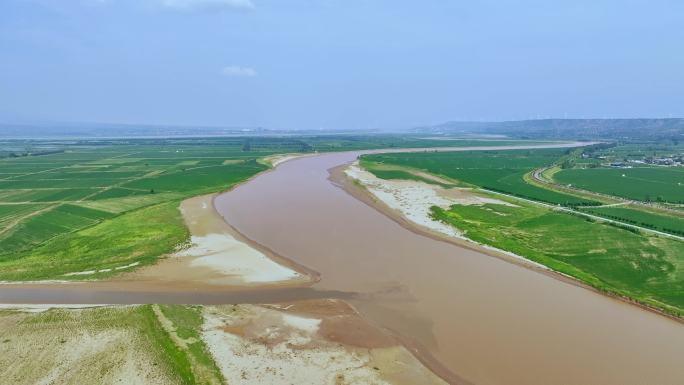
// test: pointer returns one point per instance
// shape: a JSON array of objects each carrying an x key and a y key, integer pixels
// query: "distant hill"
[
  {"x": 611, "y": 129},
  {"x": 568, "y": 128}
]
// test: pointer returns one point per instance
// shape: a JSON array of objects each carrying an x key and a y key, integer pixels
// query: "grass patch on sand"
[
  {"x": 122, "y": 344},
  {"x": 183, "y": 324},
  {"x": 111, "y": 344},
  {"x": 385, "y": 171},
  {"x": 175, "y": 356}
]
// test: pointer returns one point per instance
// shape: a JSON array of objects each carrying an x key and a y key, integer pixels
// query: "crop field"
[
  {"x": 10, "y": 212},
  {"x": 101, "y": 208},
  {"x": 501, "y": 171},
  {"x": 45, "y": 224},
  {"x": 647, "y": 268},
  {"x": 137, "y": 237},
  {"x": 665, "y": 223},
  {"x": 639, "y": 183}
]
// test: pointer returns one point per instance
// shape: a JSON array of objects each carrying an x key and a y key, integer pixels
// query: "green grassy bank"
[
  {"x": 119, "y": 344},
  {"x": 609, "y": 257}
]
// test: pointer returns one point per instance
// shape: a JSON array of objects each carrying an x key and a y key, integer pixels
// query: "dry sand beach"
[
  {"x": 408, "y": 203},
  {"x": 217, "y": 255}
]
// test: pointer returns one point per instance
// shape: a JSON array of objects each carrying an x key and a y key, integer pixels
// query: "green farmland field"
[
  {"x": 139, "y": 237},
  {"x": 83, "y": 210},
  {"x": 53, "y": 221},
  {"x": 198, "y": 178},
  {"x": 494, "y": 170},
  {"x": 641, "y": 183},
  {"x": 11, "y": 212},
  {"x": 666, "y": 223}
]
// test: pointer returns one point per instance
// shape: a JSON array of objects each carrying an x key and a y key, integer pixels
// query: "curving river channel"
[{"x": 472, "y": 317}]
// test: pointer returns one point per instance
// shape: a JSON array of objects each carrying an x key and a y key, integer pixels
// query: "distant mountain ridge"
[
  {"x": 670, "y": 128},
  {"x": 591, "y": 129}
]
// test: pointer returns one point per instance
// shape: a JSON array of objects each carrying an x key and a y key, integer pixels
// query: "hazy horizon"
[{"x": 324, "y": 65}]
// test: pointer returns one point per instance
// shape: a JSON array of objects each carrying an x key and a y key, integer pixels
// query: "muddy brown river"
[{"x": 472, "y": 317}]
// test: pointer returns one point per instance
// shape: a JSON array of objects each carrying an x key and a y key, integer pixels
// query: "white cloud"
[
  {"x": 181, "y": 5},
  {"x": 207, "y": 4},
  {"x": 237, "y": 71}
]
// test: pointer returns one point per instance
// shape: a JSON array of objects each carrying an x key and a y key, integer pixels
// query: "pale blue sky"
[{"x": 338, "y": 64}]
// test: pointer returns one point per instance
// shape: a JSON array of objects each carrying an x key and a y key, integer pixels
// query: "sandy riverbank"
[
  {"x": 277, "y": 159},
  {"x": 218, "y": 255},
  {"x": 408, "y": 203}
]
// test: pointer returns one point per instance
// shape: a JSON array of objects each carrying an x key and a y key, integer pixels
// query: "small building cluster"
[
  {"x": 674, "y": 160},
  {"x": 619, "y": 165}
]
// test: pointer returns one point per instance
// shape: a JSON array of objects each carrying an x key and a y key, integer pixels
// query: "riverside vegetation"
[
  {"x": 94, "y": 208},
  {"x": 141, "y": 344},
  {"x": 608, "y": 255}
]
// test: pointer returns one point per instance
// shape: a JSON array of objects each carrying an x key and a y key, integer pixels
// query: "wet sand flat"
[
  {"x": 307, "y": 342},
  {"x": 475, "y": 318}
]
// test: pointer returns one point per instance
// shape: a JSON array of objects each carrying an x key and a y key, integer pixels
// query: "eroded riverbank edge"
[
  {"x": 355, "y": 188},
  {"x": 220, "y": 256}
]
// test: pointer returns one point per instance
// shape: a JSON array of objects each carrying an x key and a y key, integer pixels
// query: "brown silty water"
[{"x": 476, "y": 318}]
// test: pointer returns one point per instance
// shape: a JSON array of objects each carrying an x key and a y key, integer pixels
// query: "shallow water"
[{"x": 483, "y": 319}]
